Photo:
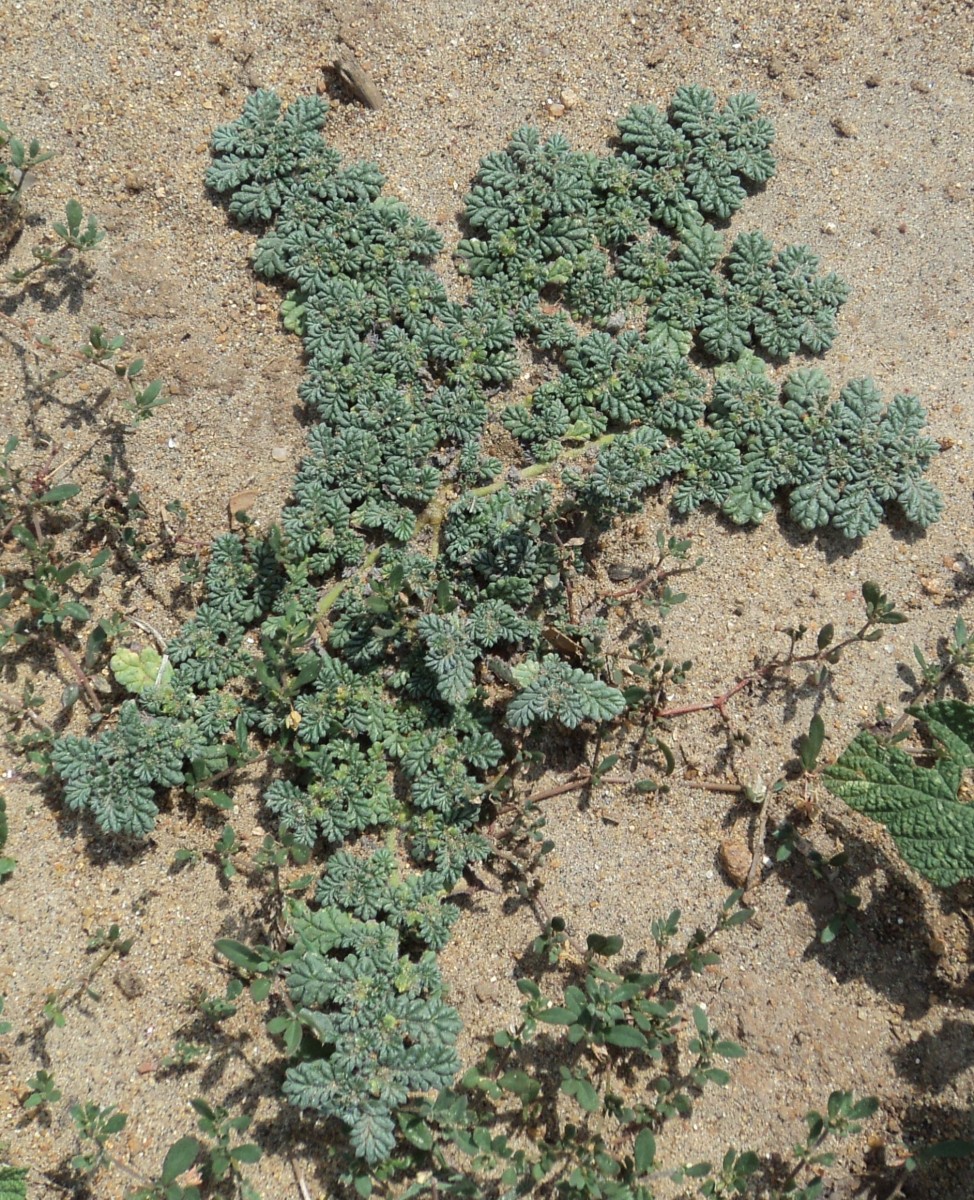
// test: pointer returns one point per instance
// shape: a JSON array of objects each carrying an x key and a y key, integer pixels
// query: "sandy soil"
[{"x": 874, "y": 110}]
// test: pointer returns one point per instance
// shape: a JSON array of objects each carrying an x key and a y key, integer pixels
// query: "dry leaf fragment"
[
  {"x": 241, "y": 502},
  {"x": 358, "y": 81},
  {"x": 931, "y": 587},
  {"x": 561, "y": 641}
]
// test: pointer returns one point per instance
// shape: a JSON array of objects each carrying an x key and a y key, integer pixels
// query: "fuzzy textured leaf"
[
  {"x": 919, "y": 805},
  {"x": 13, "y": 1182},
  {"x": 556, "y": 691},
  {"x": 137, "y": 671}
]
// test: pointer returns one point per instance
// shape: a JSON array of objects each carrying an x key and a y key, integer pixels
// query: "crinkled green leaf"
[
  {"x": 13, "y": 1182},
  {"x": 373, "y": 1135},
  {"x": 932, "y": 828},
  {"x": 566, "y": 694},
  {"x": 138, "y": 670}
]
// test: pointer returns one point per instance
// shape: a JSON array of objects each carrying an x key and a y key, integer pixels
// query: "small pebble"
[
  {"x": 735, "y": 860},
  {"x": 555, "y": 109},
  {"x": 568, "y": 97},
  {"x": 279, "y": 454},
  {"x": 776, "y": 66},
  {"x": 128, "y": 983},
  {"x": 485, "y": 990},
  {"x": 657, "y": 52},
  {"x": 844, "y": 127}
]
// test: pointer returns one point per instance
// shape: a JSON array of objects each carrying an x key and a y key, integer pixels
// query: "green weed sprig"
[
  {"x": 879, "y": 612},
  {"x": 105, "y": 945}
]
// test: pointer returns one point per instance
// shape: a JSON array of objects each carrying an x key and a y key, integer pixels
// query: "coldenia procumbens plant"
[{"x": 411, "y": 628}]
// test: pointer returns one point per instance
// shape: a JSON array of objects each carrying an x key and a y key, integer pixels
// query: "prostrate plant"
[
  {"x": 220, "y": 1160},
  {"x": 53, "y": 541},
  {"x": 624, "y": 243},
  {"x": 96, "y": 1126},
  {"x": 843, "y": 1116},
  {"x": 625, "y": 1037},
  {"x": 409, "y": 635}
]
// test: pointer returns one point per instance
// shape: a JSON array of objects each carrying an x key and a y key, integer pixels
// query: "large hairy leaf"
[
  {"x": 932, "y": 826},
  {"x": 13, "y": 1183}
]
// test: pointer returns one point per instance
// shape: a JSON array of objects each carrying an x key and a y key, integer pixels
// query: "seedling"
[
  {"x": 74, "y": 233},
  {"x": 958, "y": 653},
  {"x": 219, "y": 1008},
  {"x": 552, "y": 942},
  {"x": 843, "y": 1117},
  {"x": 260, "y": 964},
  {"x": 43, "y": 1092},
  {"x": 186, "y": 856},
  {"x": 107, "y": 944},
  {"x": 179, "y": 1162},
  {"x": 183, "y": 1056},
  {"x": 17, "y": 161},
  {"x": 110, "y": 941},
  {"x": 95, "y": 1126},
  {"x": 223, "y": 1160},
  {"x": 227, "y": 848}
]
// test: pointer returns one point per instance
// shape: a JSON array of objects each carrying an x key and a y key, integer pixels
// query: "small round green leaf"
[{"x": 605, "y": 946}]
